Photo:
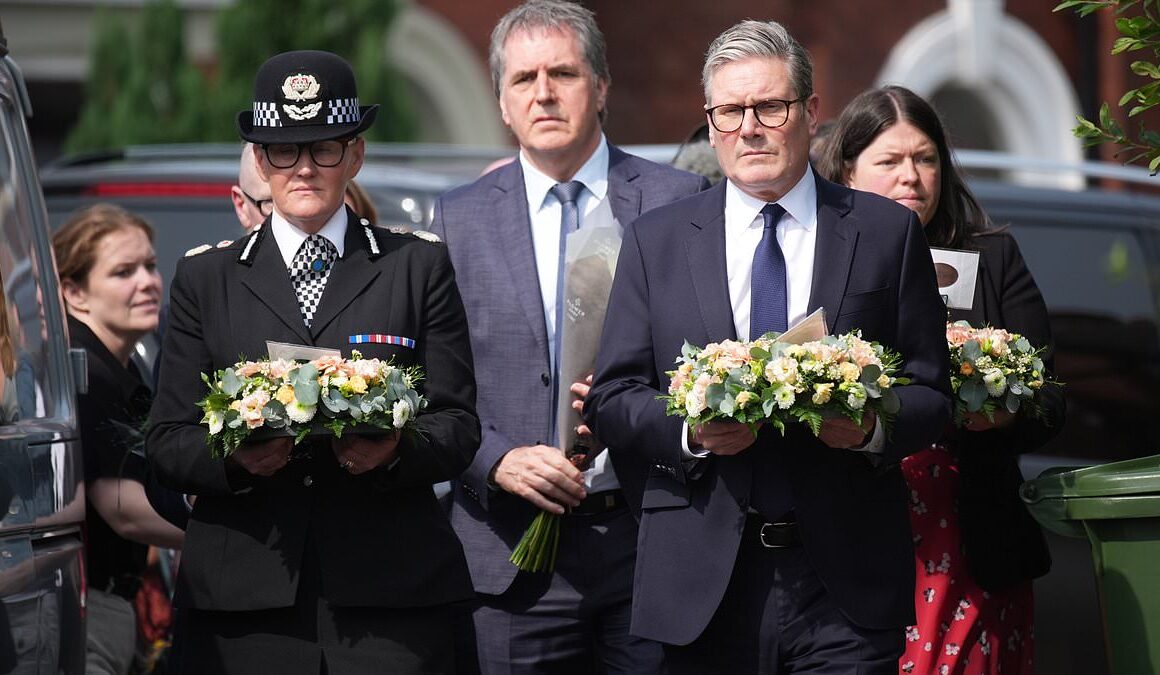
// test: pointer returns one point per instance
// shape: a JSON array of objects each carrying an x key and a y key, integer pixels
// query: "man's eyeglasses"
[
  {"x": 729, "y": 117},
  {"x": 264, "y": 206},
  {"x": 324, "y": 153}
]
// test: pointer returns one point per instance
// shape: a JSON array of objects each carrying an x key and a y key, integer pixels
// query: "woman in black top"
[
  {"x": 977, "y": 549},
  {"x": 112, "y": 290}
]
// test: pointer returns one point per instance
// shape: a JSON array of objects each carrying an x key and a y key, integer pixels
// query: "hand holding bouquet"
[
  {"x": 769, "y": 381},
  {"x": 299, "y": 397},
  {"x": 992, "y": 369}
]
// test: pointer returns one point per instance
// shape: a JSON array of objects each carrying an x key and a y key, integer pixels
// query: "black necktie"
[
  {"x": 568, "y": 194},
  {"x": 309, "y": 271},
  {"x": 767, "y": 287}
]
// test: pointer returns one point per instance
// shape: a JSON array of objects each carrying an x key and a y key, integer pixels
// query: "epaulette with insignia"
[
  {"x": 198, "y": 249},
  {"x": 427, "y": 235}
]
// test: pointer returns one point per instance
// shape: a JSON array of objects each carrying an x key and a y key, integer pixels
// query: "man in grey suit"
[{"x": 503, "y": 232}]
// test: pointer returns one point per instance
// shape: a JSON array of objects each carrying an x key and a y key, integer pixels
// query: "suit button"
[
  {"x": 545, "y": 379},
  {"x": 308, "y": 481}
]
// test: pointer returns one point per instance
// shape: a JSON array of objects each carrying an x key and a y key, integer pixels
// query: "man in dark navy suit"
[
  {"x": 341, "y": 560},
  {"x": 503, "y": 231},
  {"x": 776, "y": 554}
]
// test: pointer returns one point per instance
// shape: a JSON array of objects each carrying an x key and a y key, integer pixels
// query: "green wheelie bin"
[{"x": 1117, "y": 507}]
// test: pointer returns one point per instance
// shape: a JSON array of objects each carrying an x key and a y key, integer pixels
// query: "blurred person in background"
[
  {"x": 976, "y": 546},
  {"x": 361, "y": 203},
  {"x": 112, "y": 291},
  {"x": 696, "y": 155},
  {"x": 251, "y": 196}
]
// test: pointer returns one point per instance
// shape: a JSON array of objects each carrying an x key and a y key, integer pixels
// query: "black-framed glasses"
[
  {"x": 324, "y": 153},
  {"x": 771, "y": 114},
  {"x": 264, "y": 206}
]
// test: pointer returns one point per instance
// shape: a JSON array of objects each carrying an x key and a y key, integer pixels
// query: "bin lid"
[
  {"x": 1060, "y": 499},
  {"x": 1130, "y": 478}
]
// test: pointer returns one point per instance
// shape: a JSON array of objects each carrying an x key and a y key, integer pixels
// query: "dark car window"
[
  {"x": 28, "y": 387},
  {"x": 1094, "y": 279}
]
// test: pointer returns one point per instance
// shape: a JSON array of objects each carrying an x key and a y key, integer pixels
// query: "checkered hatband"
[
  {"x": 342, "y": 111},
  {"x": 309, "y": 271},
  {"x": 266, "y": 114}
]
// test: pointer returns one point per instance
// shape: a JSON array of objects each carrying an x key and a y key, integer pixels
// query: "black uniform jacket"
[{"x": 380, "y": 538}]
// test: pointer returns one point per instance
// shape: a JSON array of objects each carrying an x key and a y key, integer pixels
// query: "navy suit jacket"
[
  {"x": 872, "y": 271},
  {"x": 487, "y": 229}
]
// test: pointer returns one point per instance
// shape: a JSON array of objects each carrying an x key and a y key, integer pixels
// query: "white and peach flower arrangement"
[
  {"x": 993, "y": 369},
  {"x": 765, "y": 381},
  {"x": 300, "y": 398}
]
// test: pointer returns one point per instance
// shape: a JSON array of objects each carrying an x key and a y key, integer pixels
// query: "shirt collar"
[
  {"x": 594, "y": 175},
  {"x": 801, "y": 203},
  {"x": 289, "y": 237}
]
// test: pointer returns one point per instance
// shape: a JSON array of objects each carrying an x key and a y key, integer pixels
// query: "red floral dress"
[{"x": 961, "y": 628}]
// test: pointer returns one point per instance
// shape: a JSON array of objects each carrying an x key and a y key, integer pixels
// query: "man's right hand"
[
  {"x": 264, "y": 458},
  {"x": 541, "y": 475},
  {"x": 721, "y": 437}
]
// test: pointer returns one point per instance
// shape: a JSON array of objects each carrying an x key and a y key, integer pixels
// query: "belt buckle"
[{"x": 761, "y": 536}]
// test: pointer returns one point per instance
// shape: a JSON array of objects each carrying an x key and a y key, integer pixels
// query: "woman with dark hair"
[
  {"x": 112, "y": 290},
  {"x": 976, "y": 547}
]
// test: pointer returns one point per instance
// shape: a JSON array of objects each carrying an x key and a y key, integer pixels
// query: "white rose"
[{"x": 401, "y": 413}]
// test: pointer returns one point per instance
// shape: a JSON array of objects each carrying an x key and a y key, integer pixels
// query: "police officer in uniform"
[{"x": 332, "y": 556}]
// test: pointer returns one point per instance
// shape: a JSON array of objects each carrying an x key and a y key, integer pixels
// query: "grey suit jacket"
[{"x": 488, "y": 232}]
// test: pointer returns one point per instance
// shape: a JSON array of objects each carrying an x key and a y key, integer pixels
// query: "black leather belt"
[
  {"x": 597, "y": 503},
  {"x": 771, "y": 535}
]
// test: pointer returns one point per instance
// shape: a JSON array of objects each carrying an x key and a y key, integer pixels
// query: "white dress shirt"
[
  {"x": 290, "y": 238},
  {"x": 797, "y": 235},
  {"x": 544, "y": 213}
]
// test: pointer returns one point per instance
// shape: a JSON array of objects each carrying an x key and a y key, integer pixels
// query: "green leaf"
[
  {"x": 973, "y": 393},
  {"x": 305, "y": 383},
  {"x": 231, "y": 383}
]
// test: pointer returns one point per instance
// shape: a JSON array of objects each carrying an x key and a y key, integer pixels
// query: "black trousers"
[
  {"x": 777, "y": 618},
  {"x": 313, "y": 637}
]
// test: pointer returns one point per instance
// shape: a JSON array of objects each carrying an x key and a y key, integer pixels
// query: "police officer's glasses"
[
  {"x": 264, "y": 206},
  {"x": 324, "y": 153},
  {"x": 729, "y": 117}
]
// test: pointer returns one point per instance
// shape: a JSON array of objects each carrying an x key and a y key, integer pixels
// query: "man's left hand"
[
  {"x": 359, "y": 454},
  {"x": 842, "y": 432}
]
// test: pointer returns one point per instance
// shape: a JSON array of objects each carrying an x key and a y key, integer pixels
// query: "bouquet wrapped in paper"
[
  {"x": 771, "y": 381},
  {"x": 993, "y": 369},
  {"x": 328, "y": 395}
]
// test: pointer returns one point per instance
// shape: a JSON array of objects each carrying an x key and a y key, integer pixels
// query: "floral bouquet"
[
  {"x": 777, "y": 382},
  {"x": 991, "y": 367},
  {"x": 299, "y": 398}
]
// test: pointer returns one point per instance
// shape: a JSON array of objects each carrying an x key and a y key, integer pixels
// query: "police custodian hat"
[{"x": 304, "y": 96}]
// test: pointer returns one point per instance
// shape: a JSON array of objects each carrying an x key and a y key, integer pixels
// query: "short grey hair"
[
  {"x": 767, "y": 39},
  {"x": 549, "y": 15}
]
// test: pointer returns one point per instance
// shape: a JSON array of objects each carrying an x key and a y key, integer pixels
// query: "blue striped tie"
[{"x": 568, "y": 194}]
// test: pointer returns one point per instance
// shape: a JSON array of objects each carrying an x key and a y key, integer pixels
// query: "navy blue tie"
[
  {"x": 568, "y": 194},
  {"x": 768, "y": 300}
]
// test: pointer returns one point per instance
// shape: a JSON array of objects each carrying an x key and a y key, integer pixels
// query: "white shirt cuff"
[{"x": 688, "y": 453}]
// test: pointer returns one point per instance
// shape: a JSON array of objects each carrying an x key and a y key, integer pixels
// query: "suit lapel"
[
  {"x": 705, "y": 251},
  {"x": 834, "y": 252},
  {"x": 513, "y": 234},
  {"x": 270, "y": 283},
  {"x": 350, "y": 276},
  {"x": 624, "y": 196}
]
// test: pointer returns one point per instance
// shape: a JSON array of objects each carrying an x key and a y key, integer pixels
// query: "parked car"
[
  {"x": 1095, "y": 253},
  {"x": 42, "y": 628}
]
